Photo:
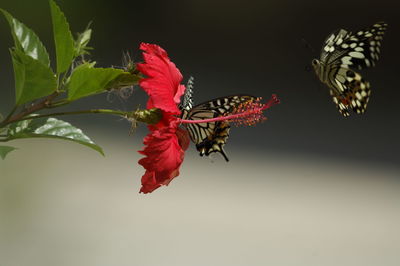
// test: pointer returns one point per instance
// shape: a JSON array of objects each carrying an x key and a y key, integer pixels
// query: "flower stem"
[
  {"x": 58, "y": 103},
  {"x": 11, "y": 113},
  {"x": 91, "y": 111},
  {"x": 35, "y": 107}
]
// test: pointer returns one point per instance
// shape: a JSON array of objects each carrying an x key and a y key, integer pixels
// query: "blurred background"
[{"x": 307, "y": 187}]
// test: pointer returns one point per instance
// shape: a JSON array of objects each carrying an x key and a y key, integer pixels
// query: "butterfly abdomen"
[
  {"x": 215, "y": 142},
  {"x": 210, "y": 137},
  {"x": 325, "y": 73}
]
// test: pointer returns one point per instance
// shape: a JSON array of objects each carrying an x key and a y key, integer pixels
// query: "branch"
[
  {"x": 91, "y": 111},
  {"x": 38, "y": 106},
  {"x": 11, "y": 113}
]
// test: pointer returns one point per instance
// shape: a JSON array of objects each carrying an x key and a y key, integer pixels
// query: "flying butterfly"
[
  {"x": 342, "y": 52},
  {"x": 210, "y": 137}
]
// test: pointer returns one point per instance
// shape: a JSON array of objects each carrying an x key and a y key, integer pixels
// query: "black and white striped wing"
[
  {"x": 344, "y": 50},
  {"x": 187, "y": 98},
  {"x": 211, "y": 137},
  {"x": 358, "y": 50},
  {"x": 354, "y": 92},
  {"x": 331, "y": 51}
]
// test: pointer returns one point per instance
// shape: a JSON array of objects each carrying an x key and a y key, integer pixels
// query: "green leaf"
[
  {"x": 33, "y": 79},
  {"x": 124, "y": 80},
  {"x": 50, "y": 128},
  {"x": 82, "y": 41},
  {"x": 4, "y": 150},
  {"x": 26, "y": 40},
  {"x": 63, "y": 38},
  {"x": 86, "y": 81}
]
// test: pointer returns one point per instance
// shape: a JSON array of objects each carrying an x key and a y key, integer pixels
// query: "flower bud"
[{"x": 148, "y": 116}]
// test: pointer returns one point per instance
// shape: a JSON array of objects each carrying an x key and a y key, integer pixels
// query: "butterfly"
[
  {"x": 342, "y": 52},
  {"x": 209, "y": 137}
]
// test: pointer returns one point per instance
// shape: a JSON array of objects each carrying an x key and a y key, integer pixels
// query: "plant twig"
[
  {"x": 38, "y": 106},
  {"x": 11, "y": 113},
  {"x": 58, "y": 103},
  {"x": 91, "y": 111}
]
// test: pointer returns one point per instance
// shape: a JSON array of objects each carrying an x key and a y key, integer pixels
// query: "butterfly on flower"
[
  {"x": 342, "y": 52},
  {"x": 210, "y": 137},
  {"x": 177, "y": 121}
]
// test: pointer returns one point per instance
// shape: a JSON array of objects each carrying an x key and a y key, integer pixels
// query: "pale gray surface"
[
  {"x": 306, "y": 188},
  {"x": 260, "y": 209}
]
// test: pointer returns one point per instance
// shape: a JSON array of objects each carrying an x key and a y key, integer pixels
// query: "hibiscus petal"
[
  {"x": 153, "y": 49},
  {"x": 149, "y": 182},
  {"x": 164, "y": 156},
  {"x": 183, "y": 138},
  {"x": 163, "y": 81}
]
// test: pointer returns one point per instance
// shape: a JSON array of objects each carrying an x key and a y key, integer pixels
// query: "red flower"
[
  {"x": 166, "y": 143},
  {"x": 163, "y": 82},
  {"x": 165, "y": 152}
]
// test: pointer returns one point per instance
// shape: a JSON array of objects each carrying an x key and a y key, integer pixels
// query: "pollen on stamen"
[{"x": 248, "y": 113}]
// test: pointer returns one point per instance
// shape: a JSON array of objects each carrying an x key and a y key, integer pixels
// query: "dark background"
[
  {"x": 307, "y": 187},
  {"x": 253, "y": 47}
]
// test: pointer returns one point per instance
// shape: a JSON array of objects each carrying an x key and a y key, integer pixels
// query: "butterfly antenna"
[
  {"x": 308, "y": 67},
  {"x": 307, "y": 45}
]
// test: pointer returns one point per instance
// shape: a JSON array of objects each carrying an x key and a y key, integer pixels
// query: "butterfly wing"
[
  {"x": 363, "y": 47},
  {"x": 187, "y": 98},
  {"x": 211, "y": 137},
  {"x": 358, "y": 50},
  {"x": 355, "y": 92},
  {"x": 331, "y": 51},
  {"x": 344, "y": 50}
]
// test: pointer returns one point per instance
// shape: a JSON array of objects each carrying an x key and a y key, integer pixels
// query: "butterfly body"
[
  {"x": 343, "y": 51},
  {"x": 210, "y": 137}
]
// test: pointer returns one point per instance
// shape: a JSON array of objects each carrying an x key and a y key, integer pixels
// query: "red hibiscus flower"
[{"x": 166, "y": 143}]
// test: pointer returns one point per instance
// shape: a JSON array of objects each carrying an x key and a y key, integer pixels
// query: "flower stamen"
[{"x": 246, "y": 114}]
